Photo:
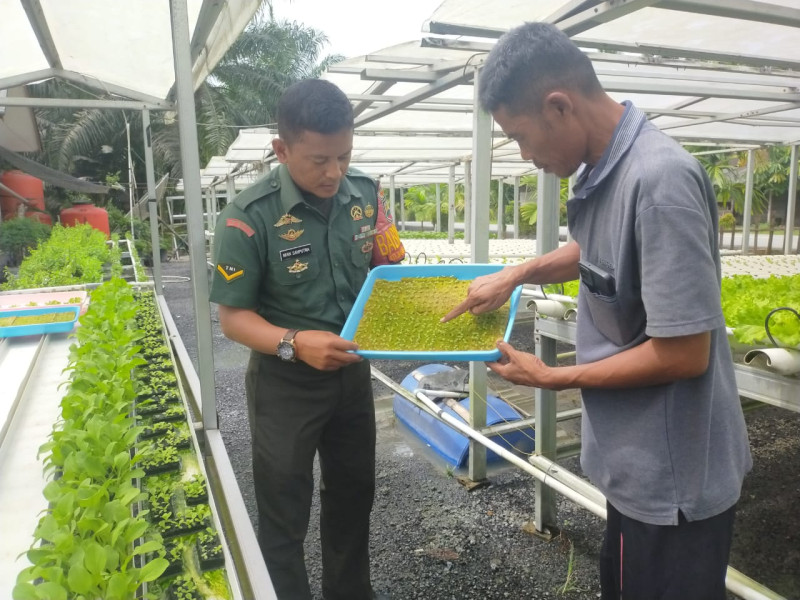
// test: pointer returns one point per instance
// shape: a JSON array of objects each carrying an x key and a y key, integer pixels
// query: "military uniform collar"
[{"x": 291, "y": 195}]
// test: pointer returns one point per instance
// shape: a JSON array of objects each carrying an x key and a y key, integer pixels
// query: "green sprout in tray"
[{"x": 404, "y": 315}]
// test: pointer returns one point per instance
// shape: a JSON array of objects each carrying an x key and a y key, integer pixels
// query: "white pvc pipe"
[
  {"x": 559, "y": 487},
  {"x": 780, "y": 360},
  {"x": 548, "y": 308}
]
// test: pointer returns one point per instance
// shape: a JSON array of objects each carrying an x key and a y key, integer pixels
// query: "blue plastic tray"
[
  {"x": 397, "y": 272},
  {"x": 38, "y": 328}
]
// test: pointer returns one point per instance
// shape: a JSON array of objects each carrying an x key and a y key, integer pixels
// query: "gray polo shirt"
[{"x": 646, "y": 214}]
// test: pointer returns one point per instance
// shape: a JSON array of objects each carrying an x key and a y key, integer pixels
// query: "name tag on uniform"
[
  {"x": 290, "y": 253},
  {"x": 364, "y": 234}
]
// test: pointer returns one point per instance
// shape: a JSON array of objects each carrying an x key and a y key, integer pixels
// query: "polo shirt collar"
[
  {"x": 291, "y": 195},
  {"x": 621, "y": 141}
]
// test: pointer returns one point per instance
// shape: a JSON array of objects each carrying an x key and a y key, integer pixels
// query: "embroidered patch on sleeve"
[
  {"x": 230, "y": 272},
  {"x": 240, "y": 225}
]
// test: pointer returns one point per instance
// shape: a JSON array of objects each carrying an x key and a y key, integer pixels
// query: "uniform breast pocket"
[
  {"x": 296, "y": 272},
  {"x": 620, "y": 324},
  {"x": 361, "y": 252}
]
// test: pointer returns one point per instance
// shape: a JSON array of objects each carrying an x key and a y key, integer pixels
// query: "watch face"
[{"x": 286, "y": 351}]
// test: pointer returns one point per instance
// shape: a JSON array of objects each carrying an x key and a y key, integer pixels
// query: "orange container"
[
  {"x": 86, "y": 213},
  {"x": 27, "y": 186}
]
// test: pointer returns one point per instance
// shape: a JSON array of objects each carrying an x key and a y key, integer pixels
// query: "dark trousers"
[
  {"x": 295, "y": 412},
  {"x": 687, "y": 561}
]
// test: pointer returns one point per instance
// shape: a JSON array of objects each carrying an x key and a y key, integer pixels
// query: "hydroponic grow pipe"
[{"x": 557, "y": 485}]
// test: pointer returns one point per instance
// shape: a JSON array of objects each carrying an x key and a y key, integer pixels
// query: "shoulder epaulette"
[{"x": 268, "y": 184}]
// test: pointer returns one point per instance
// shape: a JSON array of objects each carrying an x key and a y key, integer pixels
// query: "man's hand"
[
  {"x": 520, "y": 367},
  {"x": 324, "y": 350},
  {"x": 485, "y": 293}
]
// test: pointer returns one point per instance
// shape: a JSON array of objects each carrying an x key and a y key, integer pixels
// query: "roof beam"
[
  {"x": 740, "y": 115},
  {"x": 376, "y": 88},
  {"x": 689, "y": 89},
  {"x": 95, "y": 84},
  {"x": 604, "y": 12},
  {"x": 209, "y": 13},
  {"x": 674, "y": 74},
  {"x": 423, "y": 132},
  {"x": 443, "y": 83},
  {"x": 80, "y": 103},
  {"x": 38, "y": 22},
  {"x": 375, "y": 98},
  {"x": 676, "y": 52},
  {"x": 738, "y": 9},
  {"x": 658, "y": 54},
  {"x": 687, "y": 64}
]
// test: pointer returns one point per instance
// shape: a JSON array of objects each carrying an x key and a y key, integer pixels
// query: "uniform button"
[
  {"x": 274, "y": 183},
  {"x": 336, "y": 263}
]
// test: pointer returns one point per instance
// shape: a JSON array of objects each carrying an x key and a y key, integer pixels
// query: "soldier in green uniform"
[{"x": 292, "y": 252}]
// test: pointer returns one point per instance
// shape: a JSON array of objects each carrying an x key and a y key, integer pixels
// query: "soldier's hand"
[
  {"x": 324, "y": 350},
  {"x": 485, "y": 293}
]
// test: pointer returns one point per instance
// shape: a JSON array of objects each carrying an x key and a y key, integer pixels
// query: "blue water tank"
[{"x": 450, "y": 444}]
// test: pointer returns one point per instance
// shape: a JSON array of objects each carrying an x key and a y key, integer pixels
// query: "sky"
[{"x": 356, "y": 27}]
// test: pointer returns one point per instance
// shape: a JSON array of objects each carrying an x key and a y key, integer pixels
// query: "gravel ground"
[{"x": 434, "y": 540}]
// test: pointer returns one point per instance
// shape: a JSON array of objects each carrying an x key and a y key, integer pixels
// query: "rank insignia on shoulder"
[
  {"x": 239, "y": 224},
  {"x": 366, "y": 247},
  {"x": 369, "y": 211},
  {"x": 230, "y": 272},
  {"x": 356, "y": 213},
  {"x": 297, "y": 267},
  {"x": 291, "y": 235},
  {"x": 287, "y": 219}
]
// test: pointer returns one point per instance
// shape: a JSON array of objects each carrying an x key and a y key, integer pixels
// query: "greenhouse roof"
[
  {"x": 124, "y": 48},
  {"x": 707, "y": 73}
]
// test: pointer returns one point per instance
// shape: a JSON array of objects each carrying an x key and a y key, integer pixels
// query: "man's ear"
[
  {"x": 558, "y": 103},
  {"x": 280, "y": 148}
]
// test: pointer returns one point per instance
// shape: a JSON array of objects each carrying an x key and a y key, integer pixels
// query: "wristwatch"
[{"x": 286, "y": 348}]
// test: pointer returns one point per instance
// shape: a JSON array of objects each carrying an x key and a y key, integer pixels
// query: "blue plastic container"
[
  {"x": 397, "y": 272},
  {"x": 39, "y": 328},
  {"x": 451, "y": 445}
]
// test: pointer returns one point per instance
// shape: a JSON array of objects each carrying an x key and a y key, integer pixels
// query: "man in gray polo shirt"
[{"x": 663, "y": 434}]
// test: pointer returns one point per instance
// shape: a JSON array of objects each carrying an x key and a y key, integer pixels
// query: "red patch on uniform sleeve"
[{"x": 240, "y": 225}]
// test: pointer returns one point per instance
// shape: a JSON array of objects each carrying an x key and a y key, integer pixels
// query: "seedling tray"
[
  {"x": 38, "y": 328},
  {"x": 398, "y": 272}
]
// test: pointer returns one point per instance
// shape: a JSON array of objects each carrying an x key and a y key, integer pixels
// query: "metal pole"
[
  {"x": 467, "y": 201},
  {"x": 791, "y": 202},
  {"x": 391, "y": 197},
  {"x": 516, "y": 207},
  {"x": 748, "y": 202},
  {"x": 500, "y": 216},
  {"x": 451, "y": 205},
  {"x": 131, "y": 184},
  {"x": 438, "y": 208},
  {"x": 545, "y": 511},
  {"x": 402, "y": 210},
  {"x": 152, "y": 200},
  {"x": 190, "y": 162},
  {"x": 479, "y": 251}
]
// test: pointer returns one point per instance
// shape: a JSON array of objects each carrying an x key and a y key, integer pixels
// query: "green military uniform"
[{"x": 301, "y": 268}]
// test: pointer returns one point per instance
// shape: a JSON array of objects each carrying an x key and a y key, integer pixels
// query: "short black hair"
[
  {"x": 313, "y": 105},
  {"x": 530, "y": 61}
]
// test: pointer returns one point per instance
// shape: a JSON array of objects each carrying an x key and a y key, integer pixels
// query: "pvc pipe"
[
  {"x": 548, "y": 308},
  {"x": 559, "y": 487},
  {"x": 748, "y": 589},
  {"x": 780, "y": 360},
  {"x": 537, "y": 293}
]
